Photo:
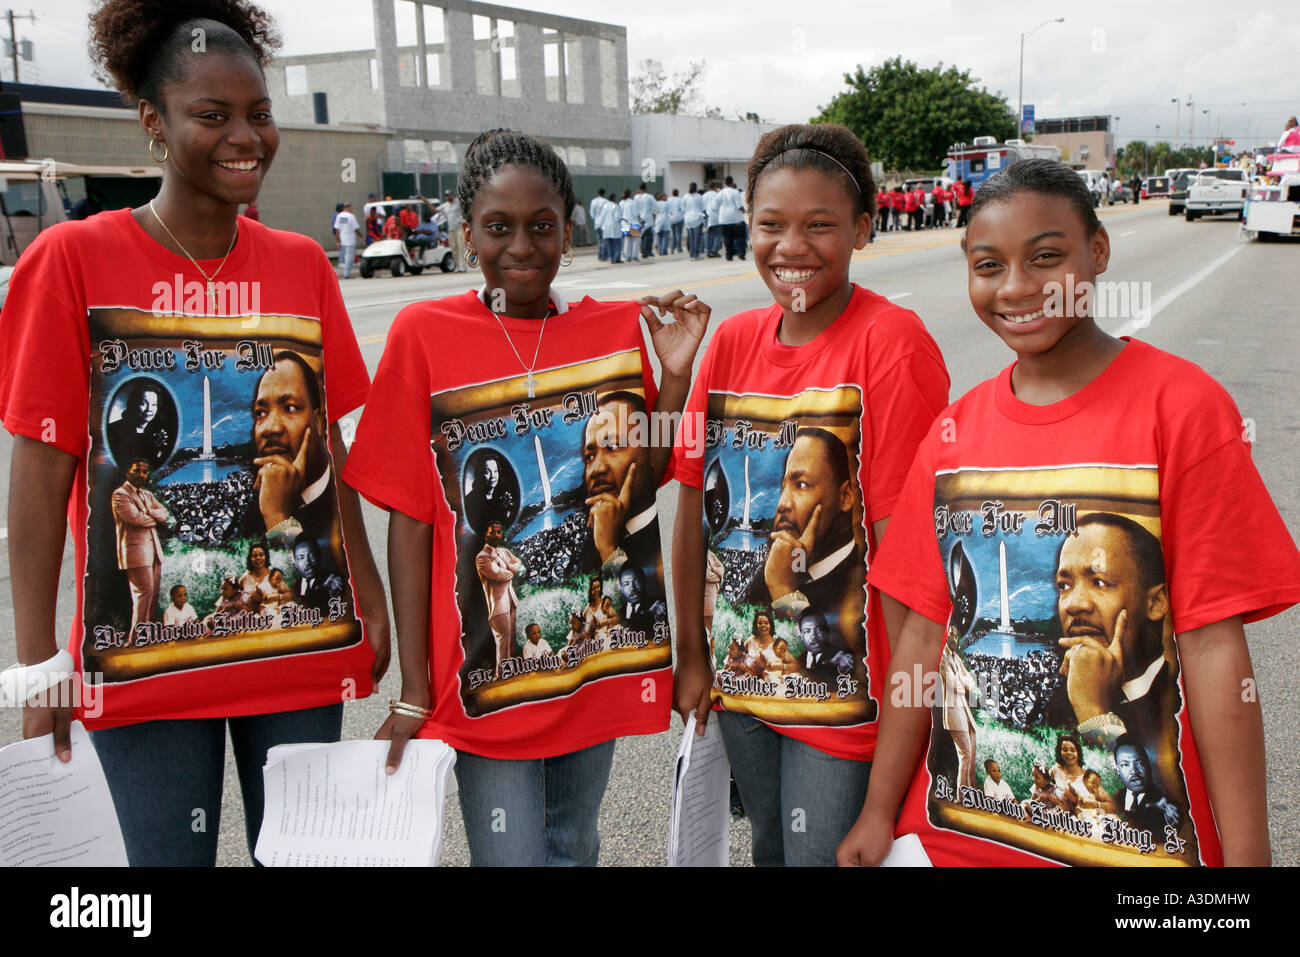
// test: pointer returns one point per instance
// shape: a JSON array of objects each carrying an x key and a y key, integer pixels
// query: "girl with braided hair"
[
  {"x": 556, "y": 390},
  {"x": 76, "y": 325}
]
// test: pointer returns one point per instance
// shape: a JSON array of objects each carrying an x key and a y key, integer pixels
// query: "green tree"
[
  {"x": 654, "y": 91},
  {"x": 908, "y": 116}
]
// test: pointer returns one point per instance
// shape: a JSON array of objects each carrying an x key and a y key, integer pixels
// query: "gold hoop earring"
[
  {"x": 566, "y": 257},
  {"x": 166, "y": 152},
  {"x": 471, "y": 258}
]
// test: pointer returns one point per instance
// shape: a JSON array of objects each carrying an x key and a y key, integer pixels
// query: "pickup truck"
[{"x": 1217, "y": 191}]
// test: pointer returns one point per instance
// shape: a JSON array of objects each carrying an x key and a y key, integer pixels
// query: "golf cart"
[
  {"x": 36, "y": 194},
  {"x": 402, "y": 256}
]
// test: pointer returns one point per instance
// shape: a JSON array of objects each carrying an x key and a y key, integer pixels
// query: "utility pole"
[
  {"x": 1177, "y": 119},
  {"x": 13, "y": 36}
]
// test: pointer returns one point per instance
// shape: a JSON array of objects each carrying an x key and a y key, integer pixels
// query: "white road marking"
[
  {"x": 1185, "y": 286},
  {"x": 898, "y": 295},
  {"x": 4, "y": 533},
  {"x": 568, "y": 283},
  {"x": 1129, "y": 233}
]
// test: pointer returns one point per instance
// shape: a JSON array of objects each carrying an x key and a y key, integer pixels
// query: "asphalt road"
[{"x": 1223, "y": 303}]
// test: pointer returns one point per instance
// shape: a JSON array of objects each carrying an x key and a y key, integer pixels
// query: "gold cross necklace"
[{"x": 212, "y": 289}]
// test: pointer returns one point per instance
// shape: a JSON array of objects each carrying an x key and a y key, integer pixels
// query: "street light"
[
  {"x": 1020, "y": 94},
  {"x": 1177, "y": 119},
  {"x": 1115, "y": 139}
]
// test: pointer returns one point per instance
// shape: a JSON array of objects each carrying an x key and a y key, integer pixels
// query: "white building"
[{"x": 681, "y": 150}]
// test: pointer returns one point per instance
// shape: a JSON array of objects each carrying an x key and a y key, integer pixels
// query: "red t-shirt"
[
  {"x": 112, "y": 350},
  {"x": 771, "y": 433},
  {"x": 1131, "y": 508},
  {"x": 964, "y": 194},
  {"x": 452, "y": 437},
  {"x": 896, "y": 200},
  {"x": 910, "y": 202},
  {"x": 882, "y": 200}
]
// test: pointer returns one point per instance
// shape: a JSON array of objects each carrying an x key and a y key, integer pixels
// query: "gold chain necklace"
[{"x": 212, "y": 290}]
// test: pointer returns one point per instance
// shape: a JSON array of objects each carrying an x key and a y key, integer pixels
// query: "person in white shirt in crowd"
[
  {"x": 994, "y": 786},
  {"x": 179, "y": 611},
  {"x": 580, "y": 237},
  {"x": 346, "y": 230},
  {"x": 630, "y": 225},
  {"x": 450, "y": 210},
  {"x": 663, "y": 225},
  {"x": 714, "y": 226},
  {"x": 676, "y": 216},
  {"x": 597, "y": 212},
  {"x": 731, "y": 216},
  {"x": 693, "y": 220},
  {"x": 610, "y": 230},
  {"x": 645, "y": 210}
]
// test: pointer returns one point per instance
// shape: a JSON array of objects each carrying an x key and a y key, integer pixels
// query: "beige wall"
[
  {"x": 1100, "y": 147},
  {"x": 299, "y": 195}
]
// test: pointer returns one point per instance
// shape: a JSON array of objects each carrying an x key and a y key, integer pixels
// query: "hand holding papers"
[
  {"x": 57, "y": 814},
  {"x": 333, "y": 805},
  {"x": 699, "y": 834}
]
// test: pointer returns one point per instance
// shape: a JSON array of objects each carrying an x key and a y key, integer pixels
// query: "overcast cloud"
[{"x": 784, "y": 60}]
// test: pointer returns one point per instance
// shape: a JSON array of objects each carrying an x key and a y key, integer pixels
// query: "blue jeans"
[
  {"x": 600, "y": 245},
  {"x": 715, "y": 240},
  {"x": 346, "y": 256},
  {"x": 631, "y": 247},
  {"x": 613, "y": 248},
  {"x": 162, "y": 774},
  {"x": 695, "y": 241},
  {"x": 661, "y": 238},
  {"x": 677, "y": 237},
  {"x": 534, "y": 813},
  {"x": 800, "y": 801}
]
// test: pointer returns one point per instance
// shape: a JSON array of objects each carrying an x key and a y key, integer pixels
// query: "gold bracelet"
[{"x": 409, "y": 710}]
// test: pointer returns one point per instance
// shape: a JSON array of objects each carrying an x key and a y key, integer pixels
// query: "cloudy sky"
[{"x": 1110, "y": 57}]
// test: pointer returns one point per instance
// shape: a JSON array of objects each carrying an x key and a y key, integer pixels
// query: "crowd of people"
[
  {"x": 1017, "y": 690},
  {"x": 209, "y": 513},
  {"x": 914, "y": 207},
  {"x": 640, "y": 225}
]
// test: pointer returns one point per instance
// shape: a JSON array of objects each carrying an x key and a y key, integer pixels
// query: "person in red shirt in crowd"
[
  {"x": 882, "y": 208},
  {"x": 828, "y": 390},
  {"x": 374, "y": 225},
  {"x": 71, "y": 350},
  {"x": 910, "y": 207},
  {"x": 1110, "y": 484},
  {"x": 409, "y": 219},
  {"x": 918, "y": 217},
  {"x": 895, "y": 206},
  {"x": 965, "y": 196},
  {"x": 392, "y": 227},
  {"x": 252, "y": 213},
  {"x": 534, "y": 735}
]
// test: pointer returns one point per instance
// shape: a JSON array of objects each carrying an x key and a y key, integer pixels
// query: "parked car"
[
  {"x": 1155, "y": 186},
  {"x": 1178, "y": 193},
  {"x": 1214, "y": 192},
  {"x": 1122, "y": 193}
]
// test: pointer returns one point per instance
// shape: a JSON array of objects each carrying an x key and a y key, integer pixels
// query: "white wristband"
[{"x": 19, "y": 683}]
